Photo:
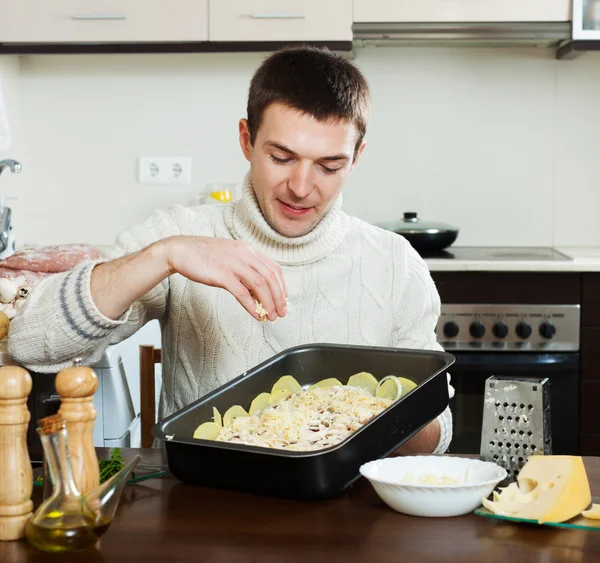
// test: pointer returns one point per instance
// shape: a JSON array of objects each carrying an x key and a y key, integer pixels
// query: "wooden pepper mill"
[
  {"x": 76, "y": 386},
  {"x": 16, "y": 479}
]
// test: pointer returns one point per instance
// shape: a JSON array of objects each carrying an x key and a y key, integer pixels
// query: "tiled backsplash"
[{"x": 502, "y": 143}]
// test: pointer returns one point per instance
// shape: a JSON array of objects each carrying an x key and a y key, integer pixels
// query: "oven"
[{"x": 517, "y": 341}]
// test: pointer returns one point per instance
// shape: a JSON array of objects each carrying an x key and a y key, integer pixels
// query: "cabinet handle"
[
  {"x": 99, "y": 17},
  {"x": 278, "y": 16}
]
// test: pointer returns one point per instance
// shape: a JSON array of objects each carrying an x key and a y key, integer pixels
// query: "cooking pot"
[{"x": 424, "y": 236}]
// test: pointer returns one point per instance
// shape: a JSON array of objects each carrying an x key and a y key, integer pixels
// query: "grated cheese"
[{"x": 309, "y": 420}]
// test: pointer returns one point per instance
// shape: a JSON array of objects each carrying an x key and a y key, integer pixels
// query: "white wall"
[
  {"x": 503, "y": 144},
  {"x": 12, "y": 185}
]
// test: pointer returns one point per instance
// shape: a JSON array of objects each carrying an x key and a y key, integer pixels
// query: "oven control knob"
[
  {"x": 547, "y": 330},
  {"x": 451, "y": 329},
  {"x": 523, "y": 330},
  {"x": 477, "y": 330},
  {"x": 500, "y": 330}
]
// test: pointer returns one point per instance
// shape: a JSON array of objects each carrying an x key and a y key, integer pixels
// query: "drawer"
[
  {"x": 103, "y": 21},
  {"x": 462, "y": 11},
  {"x": 273, "y": 20},
  {"x": 539, "y": 288}
]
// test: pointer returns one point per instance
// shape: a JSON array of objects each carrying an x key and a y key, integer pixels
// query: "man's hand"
[
  {"x": 232, "y": 265},
  {"x": 423, "y": 442}
]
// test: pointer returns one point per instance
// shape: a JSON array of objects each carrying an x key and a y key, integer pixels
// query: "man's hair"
[{"x": 311, "y": 80}]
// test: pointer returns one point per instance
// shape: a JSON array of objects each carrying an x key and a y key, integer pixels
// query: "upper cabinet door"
[
  {"x": 273, "y": 20},
  {"x": 462, "y": 10},
  {"x": 103, "y": 21}
]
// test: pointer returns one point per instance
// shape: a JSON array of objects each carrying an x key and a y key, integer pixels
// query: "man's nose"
[{"x": 301, "y": 182}]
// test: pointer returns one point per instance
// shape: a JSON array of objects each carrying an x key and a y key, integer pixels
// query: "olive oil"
[
  {"x": 67, "y": 520},
  {"x": 59, "y": 537}
]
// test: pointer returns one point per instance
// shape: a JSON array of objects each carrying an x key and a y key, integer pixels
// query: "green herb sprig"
[
  {"x": 111, "y": 466},
  {"x": 108, "y": 466}
]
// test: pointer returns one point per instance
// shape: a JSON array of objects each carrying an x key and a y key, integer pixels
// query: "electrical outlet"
[{"x": 165, "y": 170}]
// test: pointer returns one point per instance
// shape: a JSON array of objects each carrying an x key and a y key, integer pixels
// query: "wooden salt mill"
[
  {"x": 16, "y": 479},
  {"x": 76, "y": 386}
]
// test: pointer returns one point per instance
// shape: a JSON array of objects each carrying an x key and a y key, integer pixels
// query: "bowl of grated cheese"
[{"x": 432, "y": 485}]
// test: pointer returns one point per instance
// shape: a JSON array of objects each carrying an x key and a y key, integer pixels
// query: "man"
[{"x": 321, "y": 275}]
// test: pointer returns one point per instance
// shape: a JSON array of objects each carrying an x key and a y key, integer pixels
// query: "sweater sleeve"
[
  {"x": 417, "y": 310},
  {"x": 60, "y": 320}
]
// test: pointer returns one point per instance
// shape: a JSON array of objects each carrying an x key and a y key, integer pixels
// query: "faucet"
[{"x": 15, "y": 167}]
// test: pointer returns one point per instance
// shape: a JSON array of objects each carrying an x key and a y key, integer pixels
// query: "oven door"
[{"x": 470, "y": 372}]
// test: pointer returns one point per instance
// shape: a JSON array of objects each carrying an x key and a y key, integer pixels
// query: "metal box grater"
[{"x": 516, "y": 421}]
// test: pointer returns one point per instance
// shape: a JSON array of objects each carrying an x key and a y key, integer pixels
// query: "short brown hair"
[{"x": 314, "y": 81}]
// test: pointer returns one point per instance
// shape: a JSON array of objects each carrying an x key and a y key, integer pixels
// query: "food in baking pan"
[{"x": 293, "y": 418}]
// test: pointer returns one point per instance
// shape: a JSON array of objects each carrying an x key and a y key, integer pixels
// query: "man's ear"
[
  {"x": 245, "y": 143},
  {"x": 358, "y": 153}
]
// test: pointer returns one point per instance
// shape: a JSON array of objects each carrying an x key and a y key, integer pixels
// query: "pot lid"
[{"x": 411, "y": 223}]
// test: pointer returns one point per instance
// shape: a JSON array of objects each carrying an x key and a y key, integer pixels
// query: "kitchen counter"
[
  {"x": 584, "y": 259},
  {"x": 167, "y": 521}
]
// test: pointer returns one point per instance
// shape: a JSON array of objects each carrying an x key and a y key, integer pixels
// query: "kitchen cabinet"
[
  {"x": 103, "y": 21},
  {"x": 272, "y": 20},
  {"x": 590, "y": 364},
  {"x": 462, "y": 11}
]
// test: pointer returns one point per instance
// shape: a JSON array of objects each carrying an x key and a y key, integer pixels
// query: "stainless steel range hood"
[{"x": 492, "y": 34}]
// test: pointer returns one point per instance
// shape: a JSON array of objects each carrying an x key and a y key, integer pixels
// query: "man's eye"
[
  {"x": 329, "y": 170},
  {"x": 280, "y": 160}
]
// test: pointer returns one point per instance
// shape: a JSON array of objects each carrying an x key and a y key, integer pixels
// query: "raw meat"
[{"x": 51, "y": 259}]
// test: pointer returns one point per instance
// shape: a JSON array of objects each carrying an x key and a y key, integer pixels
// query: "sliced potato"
[
  {"x": 259, "y": 403},
  {"x": 207, "y": 431},
  {"x": 279, "y": 394},
  {"x": 364, "y": 380},
  {"x": 389, "y": 387},
  {"x": 287, "y": 382},
  {"x": 326, "y": 383},
  {"x": 232, "y": 413},
  {"x": 407, "y": 385},
  {"x": 217, "y": 417}
]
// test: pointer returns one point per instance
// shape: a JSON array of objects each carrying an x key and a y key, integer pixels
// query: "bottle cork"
[
  {"x": 76, "y": 386},
  {"x": 16, "y": 478}
]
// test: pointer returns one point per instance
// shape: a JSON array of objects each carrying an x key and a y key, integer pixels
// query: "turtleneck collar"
[{"x": 246, "y": 221}]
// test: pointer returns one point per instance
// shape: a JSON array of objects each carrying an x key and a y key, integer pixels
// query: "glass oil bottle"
[{"x": 67, "y": 520}]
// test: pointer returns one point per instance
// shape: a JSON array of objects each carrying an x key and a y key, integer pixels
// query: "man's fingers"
[
  {"x": 260, "y": 290},
  {"x": 243, "y": 295},
  {"x": 272, "y": 275}
]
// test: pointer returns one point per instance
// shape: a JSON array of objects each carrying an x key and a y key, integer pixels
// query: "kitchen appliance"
[
  {"x": 117, "y": 398},
  {"x": 314, "y": 474},
  {"x": 518, "y": 341},
  {"x": 424, "y": 236},
  {"x": 498, "y": 254},
  {"x": 516, "y": 422},
  {"x": 7, "y": 236},
  {"x": 7, "y": 233}
]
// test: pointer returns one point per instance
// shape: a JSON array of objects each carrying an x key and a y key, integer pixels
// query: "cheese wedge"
[{"x": 548, "y": 489}]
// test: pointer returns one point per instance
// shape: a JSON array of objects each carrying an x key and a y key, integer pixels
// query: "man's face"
[{"x": 298, "y": 166}]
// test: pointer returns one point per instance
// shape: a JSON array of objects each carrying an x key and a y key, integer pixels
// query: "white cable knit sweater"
[{"x": 348, "y": 283}]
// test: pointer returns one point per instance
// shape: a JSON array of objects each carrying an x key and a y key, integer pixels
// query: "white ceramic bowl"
[{"x": 396, "y": 481}]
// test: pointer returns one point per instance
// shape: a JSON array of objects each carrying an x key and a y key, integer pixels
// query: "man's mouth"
[{"x": 295, "y": 210}]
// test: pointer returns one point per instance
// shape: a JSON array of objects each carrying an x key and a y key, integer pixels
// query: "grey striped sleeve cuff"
[{"x": 78, "y": 308}]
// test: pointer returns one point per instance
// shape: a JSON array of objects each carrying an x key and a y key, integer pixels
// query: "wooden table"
[{"x": 167, "y": 521}]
